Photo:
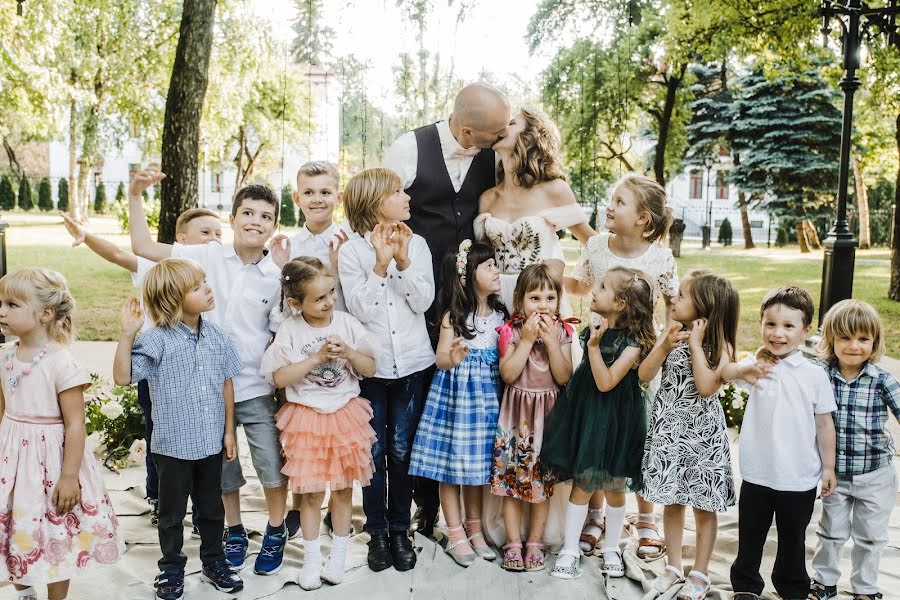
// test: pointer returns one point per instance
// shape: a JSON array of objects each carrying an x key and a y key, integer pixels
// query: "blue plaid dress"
[{"x": 455, "y": 438}]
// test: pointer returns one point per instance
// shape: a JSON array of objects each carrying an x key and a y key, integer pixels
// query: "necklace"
[{"x": 14, "y": 379}]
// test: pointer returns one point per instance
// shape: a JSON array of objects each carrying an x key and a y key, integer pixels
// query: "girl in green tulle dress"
[{"x": 597, "y": 428}]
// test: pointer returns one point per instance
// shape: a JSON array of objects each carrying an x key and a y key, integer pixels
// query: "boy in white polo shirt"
[
  {"x": 787, "y": 446},
  {"x": 246, "y": 284}
]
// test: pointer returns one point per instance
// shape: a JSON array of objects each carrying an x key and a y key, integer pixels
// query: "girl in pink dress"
[{"x": 55, "y": 516}]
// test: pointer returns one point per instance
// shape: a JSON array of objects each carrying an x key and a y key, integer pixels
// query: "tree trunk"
[
  {"x": 184, "y": 106},
  {"x": 673, "y": 82},
  {"x": 745, "y": 223},
  {"x": 74, "y": 209},
  {"x": 812, "y": 235},
  {"x": 894, "y": 290},
  {"x": 862, "y": 201},
  {"x": 14, "y": 166},
  {"x": 801, "y": 235}
]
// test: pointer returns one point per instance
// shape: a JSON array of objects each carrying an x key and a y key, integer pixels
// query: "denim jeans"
[
  {"x": 143, "y": 398},
  {"x": 396, "y": 406}
]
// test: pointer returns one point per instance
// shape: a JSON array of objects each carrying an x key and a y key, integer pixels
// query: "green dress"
[{"x": 597, "y": 438}]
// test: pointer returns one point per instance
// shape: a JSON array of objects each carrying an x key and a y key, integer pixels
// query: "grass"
[{"x": 101, "y": 288}]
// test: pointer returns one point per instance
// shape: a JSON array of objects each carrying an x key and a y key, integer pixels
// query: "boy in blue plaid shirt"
[
  {"x": 189, "y": 364},
  {"x": 866, "y": 488}
]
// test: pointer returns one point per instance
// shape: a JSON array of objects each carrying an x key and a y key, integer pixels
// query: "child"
[
  {"x": 184, "y": 356},
  {"x": 638, "y": 220},
  {"x": 852, "y": 341},
  {"x": 193, "y": 226},
  {"x": 687, "y": 459},
  {"x": 597, "y": 428},
  {"x": 786, "y": 446},
  {"x": 55, "y": 516},
  {"x": 455, "y": 439},
  {"x": 244, "y": 277},
  {"x": 388, "y": 285},
  {"x": 535, "y": 361},
  {"x": 318, "y": 357}
]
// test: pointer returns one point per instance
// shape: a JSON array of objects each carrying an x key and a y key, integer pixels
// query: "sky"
[{"x": 491, "y": 38}]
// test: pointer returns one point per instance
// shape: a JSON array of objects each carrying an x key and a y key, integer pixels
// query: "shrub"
[
  {"x": 120, "y": 192},
  {"x": 45, "y": 195},
  {"x": 288, "y": 210},
  {"x": 62, "y": 195},
  {"x": 100, "y": 202},
  {"x": 151, "y": 210},
  {"x": 783, "y": 235},
  {"x": 725, "y": 233},
  {"x": 7, "y": 195},
  {"x": 26, "y": 199}
]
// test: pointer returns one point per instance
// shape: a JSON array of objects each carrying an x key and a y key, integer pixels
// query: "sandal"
[
  {"x": 483, "y": 551},
  {"x": 613, "y": 568},
  {"x": 563, "y": 569},
  {"x": 590, "y": 535},
  {"x": 692, "y": 590},
  {"x": 820, "y": 591},
  {"x": 512, "y": 554},
  {"x": 654, "y": 542},
  {"x": 534, "y": 558},
  {"x": 670, "y": 577},
  {"x": 463, "y": 560}
]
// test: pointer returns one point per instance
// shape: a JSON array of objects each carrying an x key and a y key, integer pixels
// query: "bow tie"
[{"x": 465, "y": 152}]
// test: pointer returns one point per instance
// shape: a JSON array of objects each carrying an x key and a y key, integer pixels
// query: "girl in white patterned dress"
[
  {"x": 687, "y": 458},
  {"x": 637, "y": 220},
  {"x": 55, "y": 515}
]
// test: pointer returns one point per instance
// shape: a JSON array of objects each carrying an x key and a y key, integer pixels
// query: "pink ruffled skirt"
[{"x": 327, "y": 450}]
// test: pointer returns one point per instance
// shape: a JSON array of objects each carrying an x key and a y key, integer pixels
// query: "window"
[
  {"x": 721, "y": 186},
  {"x": 217, "y": 183},
  {"x": 696, "y": 186}
]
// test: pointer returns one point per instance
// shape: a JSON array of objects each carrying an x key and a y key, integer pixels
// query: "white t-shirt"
[
  {"x": 244, "y": 295},
  {"x": 306, "y": 243},
  {"x": 328, "y": 387},
  {"x": 778, "y": 446}
]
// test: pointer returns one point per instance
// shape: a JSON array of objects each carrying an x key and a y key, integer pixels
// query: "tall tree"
[
  {"x": 312, "y": 37},
  {"x": 184, "y": 109}
]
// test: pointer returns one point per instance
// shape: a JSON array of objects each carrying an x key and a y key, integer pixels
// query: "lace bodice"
[
  {"x": 486, "y": 335},
  {"x": 657, "y": 262}
]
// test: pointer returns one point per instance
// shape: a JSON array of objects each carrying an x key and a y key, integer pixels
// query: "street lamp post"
[{"x": 840, "y": 246}]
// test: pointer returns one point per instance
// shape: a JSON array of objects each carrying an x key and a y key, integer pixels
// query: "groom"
[{"x": 445, "y": 167}]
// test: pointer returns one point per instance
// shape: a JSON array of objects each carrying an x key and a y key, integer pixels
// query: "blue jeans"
[
  {"x": 396, "y": 406},
  {"x": 143, "y": 398}
]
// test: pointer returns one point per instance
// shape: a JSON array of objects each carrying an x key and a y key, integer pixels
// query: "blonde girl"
[
  {"x": 637, "y": 222},
  {"x": 535, "y": 361},
  {"x": 318, "y": 357},
  {"x": 687, "y": 458},
  {"x": 56, "y": 525}
]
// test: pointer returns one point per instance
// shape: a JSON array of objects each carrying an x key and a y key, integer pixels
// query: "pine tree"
[
  {"x": 45, "y": 195},
  {"x": 7, "y": 195},
  {"x": 62, "y": 195},
  {"x": 725, "y": 233},
  {"x": 288, "y": 210},
  {"x": 120, "y": 193},
  {"x": 25, "y": 199},
  {"x": 100, "y": 199}
]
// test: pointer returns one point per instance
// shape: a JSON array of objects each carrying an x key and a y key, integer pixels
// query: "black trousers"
[
  {"x": 425, "y": 491},
  {"x": 202, "y": 481},
  {"x": 792, "y": 512}
]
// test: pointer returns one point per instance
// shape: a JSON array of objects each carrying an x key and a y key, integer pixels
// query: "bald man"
[{"x": 445, "y": 167}]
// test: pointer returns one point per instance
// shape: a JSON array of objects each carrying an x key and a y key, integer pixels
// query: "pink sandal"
[
  {"x": 534, "y": 555},
  {"x": 512, "y": 553}
]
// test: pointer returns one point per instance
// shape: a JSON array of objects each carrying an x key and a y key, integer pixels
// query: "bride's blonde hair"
[{"x": 535, "y": 157}]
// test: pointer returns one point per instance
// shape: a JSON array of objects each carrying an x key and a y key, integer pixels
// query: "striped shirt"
[
  {"x": 186, "y": 371},
  {"x": 863, "y": 442}
]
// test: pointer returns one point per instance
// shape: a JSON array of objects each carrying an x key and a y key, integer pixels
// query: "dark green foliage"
[
  {"x": 62, "y": 195},
  {"x": 7, "y": 195},
  {"x": 711, "y": 124},
  {"x": 288, "y": 210},
  {"x": 120, "y": 193},
  {"x": 783, "y": 235},
  {"x": 45, "y": 195},
  {"x": 725, "y": 233},
  {"x": 100, "y": 203},
  {"x": 25, "y": 198},
  {"x": 145, "y": 196}
]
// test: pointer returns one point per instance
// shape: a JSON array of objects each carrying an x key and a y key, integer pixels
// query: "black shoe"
[
  {"x": 292, "y": 522},
  {"x": 169, "y": 585},
  {"x": 379, "y": 556},
  {"x": 222, "y": 577},
  {"x": 402, "y": 552}
]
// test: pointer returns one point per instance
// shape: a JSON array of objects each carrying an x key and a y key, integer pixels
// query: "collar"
[
  {"x": 449, "y": 145},
  {"x": 201, "y": 330},
  {"x": 305, "y": 234},
  {"x": 795, "y": 359},
  {"x": 869, "y": 369},
  {"x": 229, "y": 252}
]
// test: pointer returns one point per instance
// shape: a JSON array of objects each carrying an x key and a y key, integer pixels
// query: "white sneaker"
[
  {"x": 568, "y": 566},
  {"x": 612, "y": 563}
]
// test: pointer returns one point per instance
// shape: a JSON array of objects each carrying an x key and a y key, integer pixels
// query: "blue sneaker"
[
  {"x": 222, "y": 577},
  {"x": 271, "y": 554},
  {"x": 236, "y": 544},
  {"x": 169, "y": 585}
]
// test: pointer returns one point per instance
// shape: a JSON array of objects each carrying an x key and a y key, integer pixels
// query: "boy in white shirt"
[
  {"x": 787, "y": 446},
  {"x": 245, "y": 280}
]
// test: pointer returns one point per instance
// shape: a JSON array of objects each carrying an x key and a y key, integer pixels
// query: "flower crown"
[{"x": 462, "y": 256}]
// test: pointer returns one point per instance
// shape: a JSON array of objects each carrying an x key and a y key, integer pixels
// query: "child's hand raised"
[
  {"x": 380, "y": 238},
  {"x": 672, "y": 336},
  {"x": 334, "y": 246},
  {"x": 458, "y": 350},
  {"x": 145, "y": 179},
  {"x": 531, "y": 329},
  {"x": 698, "y": 331},
  {"x": 757, "y": 371},
  {"x": 75, "y": 230},
  {"x": 132, "y": 317},
  {"x": 597, "y": 332},
  {"x": 402, "y": 234},
  {"x": 547, "y": 332},
  {"x": 280, "y": 250},
  {"x": 323, "y": 354}
]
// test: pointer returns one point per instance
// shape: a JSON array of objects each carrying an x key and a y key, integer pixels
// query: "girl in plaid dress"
[{"x": 455, "y": 437}]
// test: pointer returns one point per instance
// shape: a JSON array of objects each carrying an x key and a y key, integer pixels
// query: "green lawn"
[{"x": 101, "y": 288}]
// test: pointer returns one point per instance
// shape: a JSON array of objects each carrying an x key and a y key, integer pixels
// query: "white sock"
[
  {"x": 615, "y": 519},
  {"x": 310, "y": 573},
  {"x": 575, "y": 516},
  {"x": 644, "y": 532},
  {"x": 334, "y": 570}
]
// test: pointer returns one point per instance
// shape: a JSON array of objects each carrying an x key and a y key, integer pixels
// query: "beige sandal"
[
  {"x": 588, "y": 539},
  {"x": 656, "y": 542}
]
